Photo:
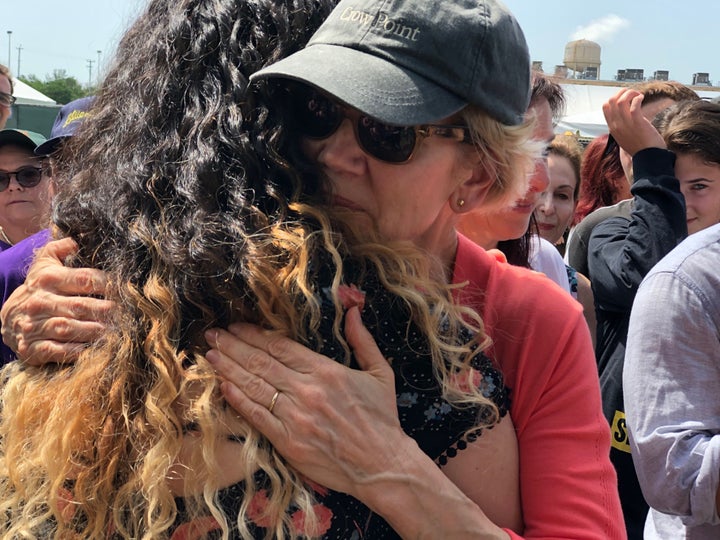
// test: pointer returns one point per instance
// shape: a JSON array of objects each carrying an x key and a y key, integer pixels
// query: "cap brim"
[
  {"x": 16, "y": 138},
  {"x": 49, "y": 146},
  {"x": 371, "y": 84}
]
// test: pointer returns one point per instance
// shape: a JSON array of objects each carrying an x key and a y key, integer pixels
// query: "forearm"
[{"x": 420, "y": 502}]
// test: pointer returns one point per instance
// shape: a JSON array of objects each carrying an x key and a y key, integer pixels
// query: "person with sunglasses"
[
  {"x": 16, "y": 259},
  {"x": 6, "y": 98},
  {"x": 413, "y": 124},
  {"x": 396, "y": 182},
  {"x": 26, "y": 187}
]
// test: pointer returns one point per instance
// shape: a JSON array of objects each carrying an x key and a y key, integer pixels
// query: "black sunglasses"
[
  {"x": 317, "y": 116},
  {"x": 7, "y": 99},
  {"x": 27, "y": 177}
]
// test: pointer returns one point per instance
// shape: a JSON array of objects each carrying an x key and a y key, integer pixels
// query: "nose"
[
  {"x": 545, "y": 204},
  {"x": 540, "y": 179},
  {"x": 14, "y": 185},
  {"x": 340, "y": 151}
]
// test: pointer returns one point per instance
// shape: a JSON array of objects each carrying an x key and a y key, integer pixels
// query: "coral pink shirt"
[{"x": 542, "y": 345}]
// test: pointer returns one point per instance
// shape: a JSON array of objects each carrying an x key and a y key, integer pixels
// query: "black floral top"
[{"x": 438, "y": 427}]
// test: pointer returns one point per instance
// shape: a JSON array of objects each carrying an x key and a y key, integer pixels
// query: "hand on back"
[{"x": 57, "y": 311}]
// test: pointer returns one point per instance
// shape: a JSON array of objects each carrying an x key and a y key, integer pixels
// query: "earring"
[{"x": 461, "y": 203}]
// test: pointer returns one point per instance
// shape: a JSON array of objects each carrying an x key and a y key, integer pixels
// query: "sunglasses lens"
[
  {"x": 317, "y": 116},
  {"x": 29, "y": 177},
  {"x": 393, "y": 144}
]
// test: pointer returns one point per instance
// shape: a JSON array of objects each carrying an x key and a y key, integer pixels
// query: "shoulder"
[
  {"x": 585, "y": 227},
  {"x": 507, "y": 294},
  {"x": 693, "y": 262},
  {"x": 545, "y": 258}
]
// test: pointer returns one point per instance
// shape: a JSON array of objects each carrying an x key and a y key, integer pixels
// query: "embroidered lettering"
[
  {"x": 75, "y": 115},
  {"x": 620, "y": 440},
  {"x": 354, "y": 15},
  {"x": 383, "y": 21},
  {"x": 405, "y": 32}
]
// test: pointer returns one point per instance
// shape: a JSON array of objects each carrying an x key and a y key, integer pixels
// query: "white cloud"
[{"x": 602, "y": 29}]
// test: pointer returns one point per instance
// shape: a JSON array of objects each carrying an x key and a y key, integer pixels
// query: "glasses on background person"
[{"x": 27, "y": 177}]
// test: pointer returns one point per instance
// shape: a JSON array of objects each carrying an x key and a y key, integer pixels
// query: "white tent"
[
  {"x": 27, "y": 95},
  {"x": 583, "y": 112}
]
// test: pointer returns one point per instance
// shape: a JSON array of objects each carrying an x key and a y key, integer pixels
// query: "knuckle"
[
  {"x": 60, "y": 328},
  {"x": 41, "y": 277},
  {"x": 256, "y": 362},
  {"x": 254, "y": 386},
  {"x": 84, "y": 279},
  {"x": 277, "y": 345}
]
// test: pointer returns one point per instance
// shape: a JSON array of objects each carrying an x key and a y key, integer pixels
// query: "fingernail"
[
  {"x": 211, "y": 337},
  {"x": 212, "y": 356}
]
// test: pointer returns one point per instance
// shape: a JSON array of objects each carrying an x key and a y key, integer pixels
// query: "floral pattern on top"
[{"x": 440, "y": 429}]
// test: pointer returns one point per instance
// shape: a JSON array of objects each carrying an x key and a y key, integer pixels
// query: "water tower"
[{"x": 583, "y": 57}]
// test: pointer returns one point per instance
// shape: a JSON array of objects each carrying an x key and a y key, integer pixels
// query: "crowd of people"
[{"x": 323, "y": 269}]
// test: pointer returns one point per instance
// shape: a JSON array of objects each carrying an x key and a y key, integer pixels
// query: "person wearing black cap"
[
  {"x": 391, "y": 99},
  {"x": 442, "y": 133},
  {"x": 26, "y": 189},
  {"x": 15, "y": 259}
]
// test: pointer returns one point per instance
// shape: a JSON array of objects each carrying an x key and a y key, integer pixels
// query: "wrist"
[{"x": 418, "y": 501}]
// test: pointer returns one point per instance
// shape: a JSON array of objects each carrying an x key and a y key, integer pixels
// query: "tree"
[{"x": 57, "y": 86}]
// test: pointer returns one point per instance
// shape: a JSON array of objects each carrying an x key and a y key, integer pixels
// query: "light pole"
[
  {"x": 97, "y": 67},
  {"x": 9, "y": 33},
  {"x": 89, "y": 64},
  {"x": 19, "y": 50}
]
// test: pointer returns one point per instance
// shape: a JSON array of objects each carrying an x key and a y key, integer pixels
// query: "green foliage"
[{"x": 58, "y": 86}]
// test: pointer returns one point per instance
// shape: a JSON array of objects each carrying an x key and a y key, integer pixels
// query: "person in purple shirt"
[{"x": 16, "y": 259}]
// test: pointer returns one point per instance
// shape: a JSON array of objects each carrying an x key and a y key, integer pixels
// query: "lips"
[{"x": 523, "y": 207}]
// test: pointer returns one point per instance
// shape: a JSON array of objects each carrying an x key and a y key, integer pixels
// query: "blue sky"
[{"x": 681, "y": 36}]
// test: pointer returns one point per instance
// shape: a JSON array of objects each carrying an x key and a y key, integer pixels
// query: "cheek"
[{"x": 565, "y": 211}]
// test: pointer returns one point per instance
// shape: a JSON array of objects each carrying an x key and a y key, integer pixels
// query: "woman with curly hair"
[{"x": 193, "y": 212}]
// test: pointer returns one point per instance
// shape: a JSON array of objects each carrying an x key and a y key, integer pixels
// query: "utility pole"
[
  {"x": 89, "y": 64},
  {"x": 19, "y": 50},
  {"x": 97, "y": 68},
  {"x": 9, "y": 33}
]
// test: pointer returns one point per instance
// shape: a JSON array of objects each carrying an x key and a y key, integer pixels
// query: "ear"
[{"x": 471, "y": 193}]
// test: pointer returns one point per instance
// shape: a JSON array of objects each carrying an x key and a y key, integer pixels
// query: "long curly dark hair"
[
  {"x": 177, "y": 100},
  {"x": 165, "y": 187}
]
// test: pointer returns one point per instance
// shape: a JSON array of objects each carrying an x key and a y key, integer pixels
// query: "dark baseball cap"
[
  {"x": 66, "y": 123},
  {"x": 21, "y": 137},
  {"x": 411, "y": 62}
]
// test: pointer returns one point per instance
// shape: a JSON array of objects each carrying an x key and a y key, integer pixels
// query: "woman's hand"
[
  {"x": 627, "y": 124},
  {"x": 51, "y": 317},
  {"x": 338, "y": 426}
]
